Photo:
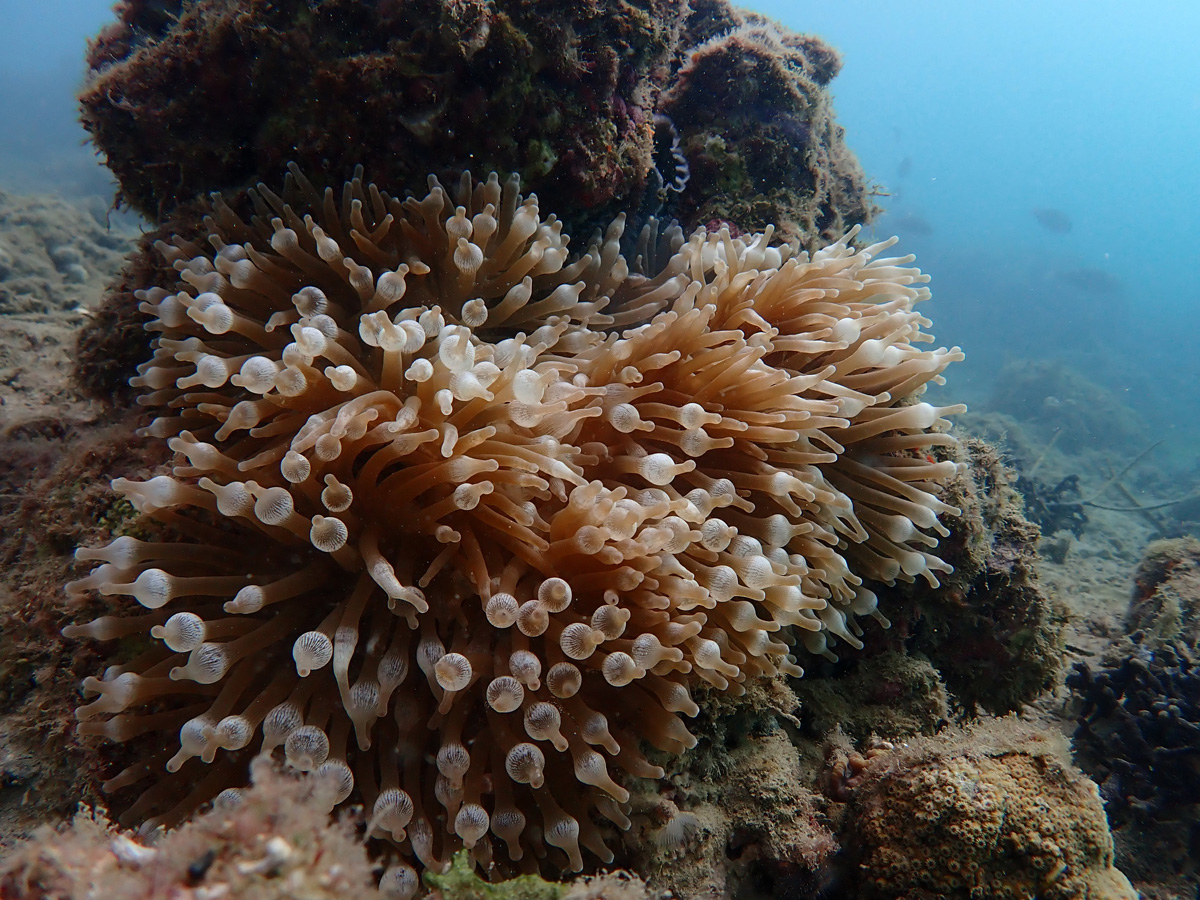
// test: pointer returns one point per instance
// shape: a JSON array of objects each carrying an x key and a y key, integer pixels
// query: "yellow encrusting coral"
[{"x": 448, "y": 495}]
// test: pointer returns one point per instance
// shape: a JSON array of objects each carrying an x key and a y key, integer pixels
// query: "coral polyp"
[{"x": 461, "y": 521}]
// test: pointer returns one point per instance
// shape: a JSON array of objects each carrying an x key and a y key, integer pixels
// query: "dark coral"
[
  {"x": 1054, "y": 508},
  {"x": 1139, "y": 738},
  {"x": 1138, "y": 731},
  {"x": 1139, "y": 734}
]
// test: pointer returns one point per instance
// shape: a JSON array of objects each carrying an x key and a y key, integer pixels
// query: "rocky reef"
[
  {"x": 739, "y": 816},
  {"x": 563, "y": 95}
]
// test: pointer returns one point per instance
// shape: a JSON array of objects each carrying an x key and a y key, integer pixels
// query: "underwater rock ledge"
[{"x": 216, "y": 95}]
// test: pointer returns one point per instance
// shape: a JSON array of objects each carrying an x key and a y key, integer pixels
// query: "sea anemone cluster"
[{"x": 462, "y": 521}]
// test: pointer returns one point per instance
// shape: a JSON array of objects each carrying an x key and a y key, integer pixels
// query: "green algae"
[{"x": 461, "y": 882}]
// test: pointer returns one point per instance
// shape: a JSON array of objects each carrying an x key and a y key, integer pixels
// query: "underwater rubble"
[{"x": 56, "y": 254}]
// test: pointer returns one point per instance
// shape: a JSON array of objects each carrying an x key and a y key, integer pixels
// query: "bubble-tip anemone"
[{"x": 463, "y": 521}]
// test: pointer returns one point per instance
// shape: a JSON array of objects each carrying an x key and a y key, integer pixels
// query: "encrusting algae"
[{"x": 458, "y": 523}]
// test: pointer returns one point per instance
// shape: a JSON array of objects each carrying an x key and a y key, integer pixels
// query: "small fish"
[
  {"x": 1054, "y": 220},
  {"x": 912, "y": 225},
  {"x": 904, "y": 169}
]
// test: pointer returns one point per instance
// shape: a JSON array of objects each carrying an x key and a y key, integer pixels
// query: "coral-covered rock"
[
  {"x": 757, "y": 129},
  {"x": 1166, "y": 602},
  {"x": 990, "y": 630},
  {"x": 996, "y": 812},
  {"x": 277, "y": 842}
]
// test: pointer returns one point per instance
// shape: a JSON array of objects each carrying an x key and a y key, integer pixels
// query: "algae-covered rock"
[
  {"x": 214, "y": 95},
  {"x": 218, "y": 94},
  {"x": 1166, "y": 600},
  {"x": 54, "y": 496},
  {"x": 757, "y": 128},
  {"x": 737, "y": 817},
  {"x": 996, "y": 812},
  {"x": 462, "y": 882},
  {"x": 989, "y": 635},
  {"x": 990, "y": 630},
  {"x": 890, "y": 695},
  {"x": 200, "y": 96}
]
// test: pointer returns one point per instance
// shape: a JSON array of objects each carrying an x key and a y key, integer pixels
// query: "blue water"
[
  {"x": 968, "y": 117},
  {"x": 1091, "y": 108}
]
